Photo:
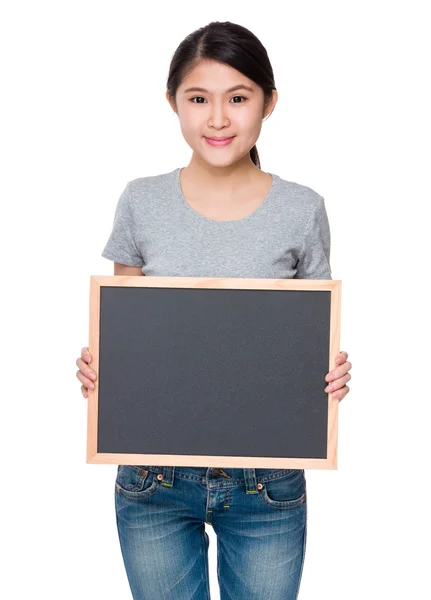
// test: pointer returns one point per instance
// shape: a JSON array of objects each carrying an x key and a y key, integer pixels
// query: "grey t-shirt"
[{"x": 155, "y": 228}]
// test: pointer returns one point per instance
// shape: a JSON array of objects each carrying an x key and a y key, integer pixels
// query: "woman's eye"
[{"x": 201, "y": 98}]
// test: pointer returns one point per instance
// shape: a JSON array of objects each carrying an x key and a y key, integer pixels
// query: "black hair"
[{"x": 226, "y": 43}]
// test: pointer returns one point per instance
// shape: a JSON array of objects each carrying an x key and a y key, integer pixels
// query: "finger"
[
  {"x": 341, "y": 357},
  {"x": 340, "y": 394},
  {"x": 84, "y": 380},
  {"x": 338, "y": 383},
  {"x": 84, "y": 391},
  {"x": 87, "y": 371},
  {"x": 85, "y": 354},
  {"x": 339, "y": 371}
]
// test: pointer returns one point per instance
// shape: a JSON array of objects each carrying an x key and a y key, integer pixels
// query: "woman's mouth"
[{"x": 219, "y": 141}]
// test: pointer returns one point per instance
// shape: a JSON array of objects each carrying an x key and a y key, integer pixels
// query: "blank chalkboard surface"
[{"x": 213, "y": 372}]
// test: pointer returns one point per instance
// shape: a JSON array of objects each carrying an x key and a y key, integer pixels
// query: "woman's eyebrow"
[{"x": 232, "y": 89}]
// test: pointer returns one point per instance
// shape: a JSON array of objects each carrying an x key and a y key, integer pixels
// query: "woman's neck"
[{"x": 227, "y": 181}]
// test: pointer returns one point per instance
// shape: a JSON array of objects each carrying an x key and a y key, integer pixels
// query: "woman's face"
[{"x": 217, "y": 111}]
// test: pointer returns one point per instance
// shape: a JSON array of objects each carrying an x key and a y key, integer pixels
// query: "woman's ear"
[
  {"x": 171, "y": 102},
  {"x": 271, "y": 104}
]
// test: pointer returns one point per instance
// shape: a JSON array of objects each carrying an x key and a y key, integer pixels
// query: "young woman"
[{"x": 221, "y": 216}]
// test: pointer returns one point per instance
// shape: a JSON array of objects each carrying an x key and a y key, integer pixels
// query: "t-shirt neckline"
[{"x": 260, "y": 209}]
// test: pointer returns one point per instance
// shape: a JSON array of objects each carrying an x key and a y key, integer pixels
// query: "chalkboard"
[{"x": 213, "y": 372}]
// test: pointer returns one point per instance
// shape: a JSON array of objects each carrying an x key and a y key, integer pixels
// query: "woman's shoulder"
[
  {"x": 298, "y": 192},
  {"x": 153, "y": 183}
]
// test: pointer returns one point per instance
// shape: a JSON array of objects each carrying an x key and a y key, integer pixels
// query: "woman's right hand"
[{"x": 85, "y": 374}]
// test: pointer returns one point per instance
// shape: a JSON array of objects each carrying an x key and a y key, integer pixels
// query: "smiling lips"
[{"x": 219, "y": 141}]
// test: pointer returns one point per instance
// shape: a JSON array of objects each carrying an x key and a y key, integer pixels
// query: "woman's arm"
[{"x": 120, "y": 269}]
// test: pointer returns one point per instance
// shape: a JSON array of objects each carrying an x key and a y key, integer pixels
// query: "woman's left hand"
[{"x": 339, "y": 376}]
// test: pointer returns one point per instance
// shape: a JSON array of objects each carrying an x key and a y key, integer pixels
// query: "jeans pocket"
[
  {"x": 285, "y": 492},
  {"x": 136, "y": 483}
]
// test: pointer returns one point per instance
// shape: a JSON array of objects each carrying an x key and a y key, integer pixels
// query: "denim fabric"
[{"x": 259, "y": 517}]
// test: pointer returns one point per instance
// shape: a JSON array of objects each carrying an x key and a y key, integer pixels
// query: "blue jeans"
[{"x": 259, "y": 516}]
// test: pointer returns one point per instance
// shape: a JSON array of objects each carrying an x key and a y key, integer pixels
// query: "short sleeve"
[
  {"x": 121, "y": 246},
  {"x": 314, "y": 258}
]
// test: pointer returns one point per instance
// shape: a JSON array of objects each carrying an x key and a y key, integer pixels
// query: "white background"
[{"x": 83, "y": 112}]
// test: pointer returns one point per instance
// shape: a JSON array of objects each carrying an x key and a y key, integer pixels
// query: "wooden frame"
[{"x": 333, "y": 286}]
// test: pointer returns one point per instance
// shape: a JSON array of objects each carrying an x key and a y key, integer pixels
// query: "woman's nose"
[{"x": 219, "y": 117}]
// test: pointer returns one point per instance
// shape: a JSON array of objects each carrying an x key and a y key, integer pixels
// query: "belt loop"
[
  {"x": 168, "y": 476},
  {"x": 250, "y": 481}
]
